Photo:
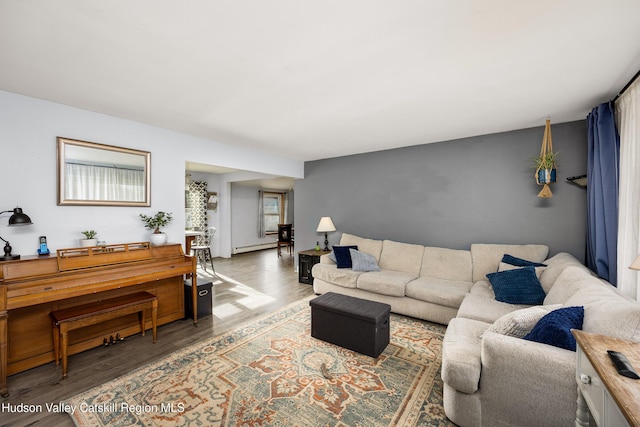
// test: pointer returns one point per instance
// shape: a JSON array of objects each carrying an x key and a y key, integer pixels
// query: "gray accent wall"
[{"x": 450, "y": 194}]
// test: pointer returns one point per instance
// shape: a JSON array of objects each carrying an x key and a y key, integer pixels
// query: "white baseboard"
[{"x": 252, "y": 248}]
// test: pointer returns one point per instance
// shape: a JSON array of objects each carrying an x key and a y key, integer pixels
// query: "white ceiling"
[{"x": 313, "y": 79}]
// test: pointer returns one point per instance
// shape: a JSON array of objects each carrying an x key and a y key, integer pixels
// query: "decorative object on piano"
[
  {"x": 18, "y": 218},
  {"x": 43, "y": 249},
  {"x": 155, "y": 222},
  {"x": 545, "y": 163},
  {"x": 89, "y": 238}
]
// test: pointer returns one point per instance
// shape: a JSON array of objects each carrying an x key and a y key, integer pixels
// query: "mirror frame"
[{"x": 64, "y": 142}]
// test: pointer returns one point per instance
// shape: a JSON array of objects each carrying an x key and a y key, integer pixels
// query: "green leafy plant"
[
  {"x": 90, "y": 234},
  {"x": 548, "y": 161},
  {"x": 160, "y": 219}
]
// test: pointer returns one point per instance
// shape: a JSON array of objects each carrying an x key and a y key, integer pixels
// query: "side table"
[
  {"x": 609, "y": 397},
  {"x": 306, "y": 260}
]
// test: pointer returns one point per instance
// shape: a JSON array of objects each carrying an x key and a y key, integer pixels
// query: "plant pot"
[
  {"x": 158, "y": 239},
  {"x": 546, "y": 176},
  {"x": 84, "y": 243}
]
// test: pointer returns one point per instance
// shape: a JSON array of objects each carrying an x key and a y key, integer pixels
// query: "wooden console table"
[
  {"x": 612, "y": 399},
  {"x": 32, "y": 287}
]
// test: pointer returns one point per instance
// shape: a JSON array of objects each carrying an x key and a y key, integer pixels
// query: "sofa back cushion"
[
  {"x": 556, "y": 265},
  {"x": 606, "y": 310},
  {"x": 401, "y": 257},
  {"x": 570, "y": 280},
  {"x": 450, "y": 264},
  {"x": 486, "y": 257},
  {"x": 370, "y": 246}
]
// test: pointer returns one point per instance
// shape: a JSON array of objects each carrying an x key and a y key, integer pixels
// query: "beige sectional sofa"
[
  {"x": 425, "y": 282},
  {"x": 491, "y": 377}
]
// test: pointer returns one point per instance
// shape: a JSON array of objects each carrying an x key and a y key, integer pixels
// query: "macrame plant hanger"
[{"x": 545, "y": 175}]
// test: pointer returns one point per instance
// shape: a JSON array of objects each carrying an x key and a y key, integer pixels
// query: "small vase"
[
  {"x": 85, "y": 243},
  {"x": 158, "y": 239},
  {"x": 546, "y": 176}
]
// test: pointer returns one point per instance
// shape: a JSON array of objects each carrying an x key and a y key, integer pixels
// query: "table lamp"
[
  {"x": 325, "y": 226},
  {"x": 635, "y": 265},
  {"x": 18, "y": 218}
]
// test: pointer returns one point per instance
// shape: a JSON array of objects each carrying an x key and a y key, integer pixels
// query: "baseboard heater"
[{"x": 252, "y": 248}]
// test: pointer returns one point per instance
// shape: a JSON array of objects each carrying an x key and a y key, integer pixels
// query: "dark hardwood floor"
[{"x": 247, "y": 286}]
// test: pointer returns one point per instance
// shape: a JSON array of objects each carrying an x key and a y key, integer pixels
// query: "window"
[{"x": 273, "y": 211}]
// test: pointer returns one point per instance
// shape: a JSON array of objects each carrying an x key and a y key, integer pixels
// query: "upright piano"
[{"x": 33, "y": 287}]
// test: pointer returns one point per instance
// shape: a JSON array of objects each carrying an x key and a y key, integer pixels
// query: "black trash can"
[{"x": 205, "y": 299}]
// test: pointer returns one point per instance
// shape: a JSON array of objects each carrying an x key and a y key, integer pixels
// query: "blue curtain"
[{"x": 602, "y": 192}]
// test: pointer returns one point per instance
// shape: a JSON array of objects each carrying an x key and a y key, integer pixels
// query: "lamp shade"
[
  {"x": 19, "y": 218},
  {"x": 325, "y": 225},
  {"x": 635, "y": 265}
]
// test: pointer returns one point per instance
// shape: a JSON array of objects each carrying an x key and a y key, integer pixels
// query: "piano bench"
[{"x": 68, "y": 319}]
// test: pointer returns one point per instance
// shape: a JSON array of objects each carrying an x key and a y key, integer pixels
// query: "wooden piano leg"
[
  {"x": 194, "y": 299},
  {"x": 4, "y": 391}
]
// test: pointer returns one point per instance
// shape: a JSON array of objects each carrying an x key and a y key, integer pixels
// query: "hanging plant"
[{"x": 545, "y": 163}]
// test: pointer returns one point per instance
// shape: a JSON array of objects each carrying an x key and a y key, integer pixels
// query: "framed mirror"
[{"x": 102, "y": 175}]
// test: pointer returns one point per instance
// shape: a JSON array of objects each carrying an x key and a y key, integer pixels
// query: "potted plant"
[
  {"x": 155, "y": 222},
  {"x": 545, "y": 167},
  {"x": 89, "y": 238}
]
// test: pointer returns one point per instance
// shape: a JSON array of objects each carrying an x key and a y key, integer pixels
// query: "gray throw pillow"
[
  {"x": 361, "y": 261},
  {"x": 520, "y": 322}
]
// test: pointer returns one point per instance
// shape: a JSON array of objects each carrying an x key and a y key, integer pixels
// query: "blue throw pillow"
[
  {"x": 555, "y": 328},
  {"x": 519, "y": 286},
  {"x": 519, "y": 262},
  {"x": 343, "y": 257},
  {"x": 362, "y": 261}
]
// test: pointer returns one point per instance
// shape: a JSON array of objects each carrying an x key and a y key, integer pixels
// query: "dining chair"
[
  {"x": 202, "y": 249},
  {"x": 285, "y": 237}
]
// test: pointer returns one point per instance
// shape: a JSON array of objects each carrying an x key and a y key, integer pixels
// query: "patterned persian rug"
[{"x": 269, "y": 373}]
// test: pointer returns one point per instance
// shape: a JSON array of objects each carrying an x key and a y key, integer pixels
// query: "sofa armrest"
[
  {"x": 324, "y": 259},
  {"x": 526, "y": 383}
]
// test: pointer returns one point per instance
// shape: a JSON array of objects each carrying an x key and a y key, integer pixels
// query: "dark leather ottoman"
[{"x": 354, "y": 323}]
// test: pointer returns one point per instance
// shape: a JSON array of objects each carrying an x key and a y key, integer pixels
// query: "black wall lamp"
[{"x": 18, "y": 218}]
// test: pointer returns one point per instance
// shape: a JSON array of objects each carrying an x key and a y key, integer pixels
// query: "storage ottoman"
[
  {"x": 205, "y": 299},
  {"x": 354, "y": 323}
]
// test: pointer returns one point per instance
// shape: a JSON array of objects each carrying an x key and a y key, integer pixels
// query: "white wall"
[
  {"x": 28, "y": 131},
  {"x": 244, "y": 227}
]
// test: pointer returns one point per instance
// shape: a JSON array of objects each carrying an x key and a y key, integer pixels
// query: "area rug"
[{"x": 269, "y": 373}]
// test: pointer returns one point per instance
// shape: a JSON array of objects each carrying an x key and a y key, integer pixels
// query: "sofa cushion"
[
  {"x": 570, "y": 280},
  {"x": 520, "y": 322},
  {"x": 385, "y": 282},
  {"x": 450, "y": 264},
  {"x": 556, "y": 265},
  {"x": 401, "y": 257},
  {"x": 519, "y": 286},
  {"x": 485, "y": 309},
  {"x": 343, "y": 256},
  {"x": 362, "y": 261},
  {"x": 486, "y": 257},
  {"x": 330, "y": 273},
  {"x": 449, "y": 293},
  {"x": 607, "y": 311},
  {"x": 461, "y": 347},
  {"x": 483, "y": 289},
  {"x": 555, "y": 328},
  {"x": 370, "y": 246}
]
